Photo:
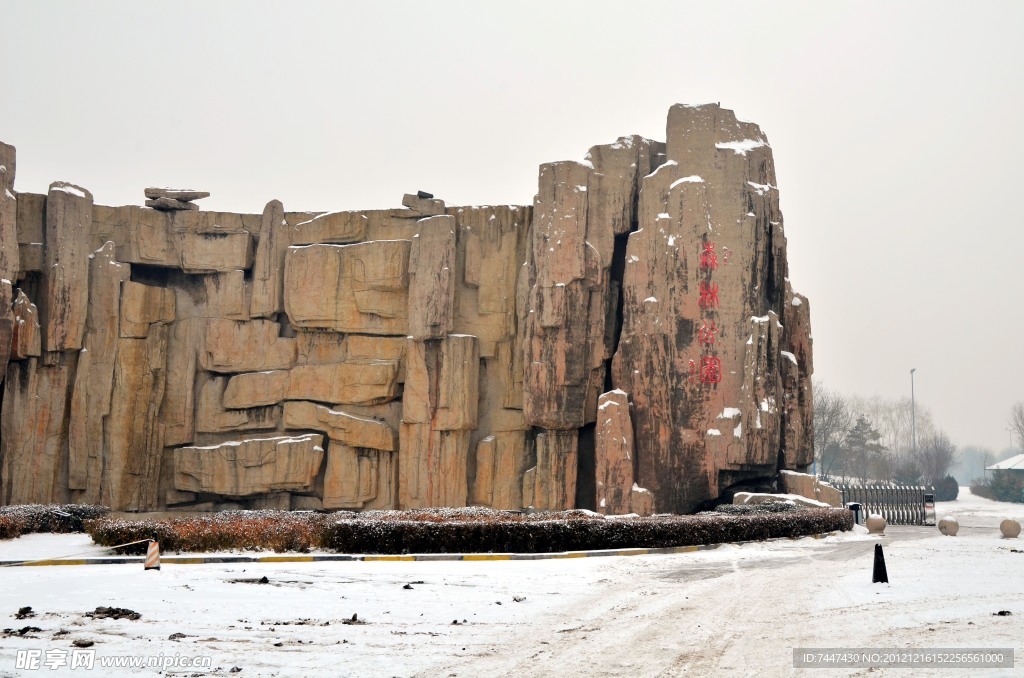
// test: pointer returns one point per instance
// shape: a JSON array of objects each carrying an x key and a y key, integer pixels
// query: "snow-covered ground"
[{"x": 735, "y": 610}]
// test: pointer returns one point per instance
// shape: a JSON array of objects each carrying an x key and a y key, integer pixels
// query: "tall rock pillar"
[
  {"x": 705, "y": 315},
  {"x": 9, "y": 263}
]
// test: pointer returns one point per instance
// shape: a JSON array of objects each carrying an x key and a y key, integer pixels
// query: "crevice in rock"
[
  {"x": 32, "y": 286},
  {"x": 586, "y": 468},
  {"x": 616, "y": 277},
  {"x": 613, "y": 328},
  {"x": 157, "y": 276},
  {"x": 530, "y": 459},
  {"x": 434, "y": 359},
  {"x": 732, "y": 481},
  {"x": 285, "y": 328}
]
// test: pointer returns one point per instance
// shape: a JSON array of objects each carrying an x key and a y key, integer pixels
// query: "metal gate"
[{"x": 898, "y": 504}]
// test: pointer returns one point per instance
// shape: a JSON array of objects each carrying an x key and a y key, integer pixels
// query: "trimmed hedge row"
[
  {"x": 471, "y": 530},
  {"x": 753, "y": 509},
  {"x": 546, "y": 535},
  {"x": 29, "y": 518},
  {"x": 226, "y": 531}
]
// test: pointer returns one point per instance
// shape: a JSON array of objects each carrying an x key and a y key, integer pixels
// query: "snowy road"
[{"x": 735, "y": 610}]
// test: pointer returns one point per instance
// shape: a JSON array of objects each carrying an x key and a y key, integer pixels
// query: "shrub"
[
  {"x": 981, "y": 488},
  {"x": 29, "y": 518},
  {"x": 540, "y": 534},
  {"x": 467, "y": 530},
  {"x": 1002, "y": 486},
  {"x": 9, "y": 527},
  {"x": 947, "y": 489},
  {"x": 228, "y": 530},
  {"x": 751, "y": 509}
]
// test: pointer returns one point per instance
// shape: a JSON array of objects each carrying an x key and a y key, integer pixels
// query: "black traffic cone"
[{"x": 878, "y": 575}]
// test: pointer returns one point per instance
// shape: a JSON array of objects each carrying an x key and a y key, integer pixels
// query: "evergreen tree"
[{"x": 865, "y": 450}]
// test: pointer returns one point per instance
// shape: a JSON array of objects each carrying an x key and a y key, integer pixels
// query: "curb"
[{"x": 368, "y": 558}]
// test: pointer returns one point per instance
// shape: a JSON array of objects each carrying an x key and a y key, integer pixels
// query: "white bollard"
[{"x": 949, "y": 527}]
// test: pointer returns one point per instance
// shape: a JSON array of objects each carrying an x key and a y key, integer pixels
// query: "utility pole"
[{"x": 913, "y": 412}]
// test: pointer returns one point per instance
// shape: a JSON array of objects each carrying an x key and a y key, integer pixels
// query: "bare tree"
[
  {"x": 873, "y": 438},
  {"x": 935, "y": 455},
  {"x": 832, "y": 421},
  {"x": 894, "y": 420},
  {"x": 1017, "y": 423}
]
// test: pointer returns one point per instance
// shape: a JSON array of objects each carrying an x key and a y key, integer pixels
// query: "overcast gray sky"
[{"x": 897, "y": 130}]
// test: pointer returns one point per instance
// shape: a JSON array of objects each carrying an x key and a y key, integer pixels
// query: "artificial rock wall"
[{"x": 628, "y": 343}]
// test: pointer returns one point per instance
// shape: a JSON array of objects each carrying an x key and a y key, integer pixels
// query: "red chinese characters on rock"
[
  {"x": 707, "y": 332},
  {"x": 710, "y": 369},
  {"x": 708, "y": 256},
  {"x": 708, "y": 295}
]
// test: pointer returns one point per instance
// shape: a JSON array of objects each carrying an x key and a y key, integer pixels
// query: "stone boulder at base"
[
  {"x": 949, "y": 526},
  {"x": 808, "y": 486},
  {"x": 754, "y": 498}
]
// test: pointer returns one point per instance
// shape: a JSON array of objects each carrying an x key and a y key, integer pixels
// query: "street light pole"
[{"x": 913, "y": 412}]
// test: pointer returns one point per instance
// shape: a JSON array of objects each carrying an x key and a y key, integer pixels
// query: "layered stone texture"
[
  {"x": 248, "y": 467},
  {"x": 810, "y": 487},
  {"x": 9, "y": 259},
  {"x": 68, "y": 216},
  {"x": 8, "y": 322},
  {"x": 168, "y": 199},
  {"x": 439, "y": 411},
  {"x": 628, "y": 343},
  {"x": 617, "y": 491},
  {"x": 361, "y": 288}
]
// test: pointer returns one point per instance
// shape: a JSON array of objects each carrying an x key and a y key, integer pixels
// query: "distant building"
[{"x": 1014, "y": 465}]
